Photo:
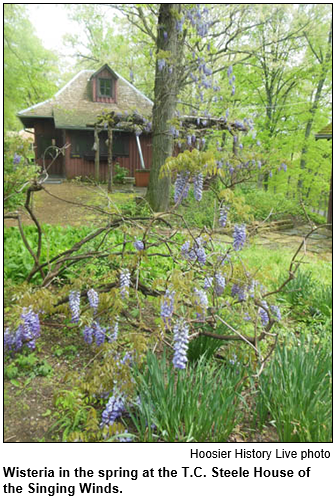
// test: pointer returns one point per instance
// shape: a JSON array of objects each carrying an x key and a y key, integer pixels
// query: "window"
[
  {"x": 82, "y": 142},
  {"x": 105, "y": 87}
]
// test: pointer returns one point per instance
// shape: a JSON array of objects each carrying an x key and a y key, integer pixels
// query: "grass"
[
  {"x": 295, "y": 393},
  {"x": 272, "y": 265},
  {"x": 196, "y": 404}
]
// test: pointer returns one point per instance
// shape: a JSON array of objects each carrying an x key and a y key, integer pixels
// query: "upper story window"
[{"x": 105, "y": 87}]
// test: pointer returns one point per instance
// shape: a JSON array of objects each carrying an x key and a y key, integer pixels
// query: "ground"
[
  {"x": 51, "y": 209},
  {"x": 29, "y": 400}
]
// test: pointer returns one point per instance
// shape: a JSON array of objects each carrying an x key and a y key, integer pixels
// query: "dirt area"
[
  {"x": 29, "y": 410},
  {"x": 62, "y": 204}
]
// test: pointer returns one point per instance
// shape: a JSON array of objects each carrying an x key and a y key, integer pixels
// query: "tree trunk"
[
  {"x": 330, "y": 205},
  {"x": 165, "y": 102},
  {"x": 96, "y": 142},
  {"x": 110, "y": 157}
]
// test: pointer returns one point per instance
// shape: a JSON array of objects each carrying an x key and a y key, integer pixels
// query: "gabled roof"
[
  {"x": 106, "y": 66},
  {"x": 72, "y": 106},
  {"x": 325, "y": 133}
]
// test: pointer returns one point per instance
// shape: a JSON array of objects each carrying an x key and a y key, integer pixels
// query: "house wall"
[
  {"x": 79, "y": 167},
  {"x": 45, "y": 131}
]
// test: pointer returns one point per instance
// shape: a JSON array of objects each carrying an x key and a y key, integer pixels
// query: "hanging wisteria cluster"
[
  {"x": 125, "y": 280},
  {"x": 167, "y": 307},
  {"x": 239, "y": 236},
  {"x": 26, "y": 333},
  {"x": 181, "y": 186},
  {"x": 74, "y": 304},
  {"x": 195, "y": 252},
  {"x": 223, "y": 214},
  {"x": 181, "y": 340}
]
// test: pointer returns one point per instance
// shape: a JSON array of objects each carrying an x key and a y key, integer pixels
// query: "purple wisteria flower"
[
  {"x": 161, "y": 64},
  {"x": 88, "y": 334},
  {"x": 114, "y": 333},
  {"x": 125, "y": 280},
  {"x": 239, "y": 236},
  {"x": 96, "y": 331},
  {"x": 284, "y": 166},
  {"x": 197, "y": 252},
  {"x": 181, "y": 340},
  {"x": 262, "y": 313},
  {"x": 74, "y": 303},
  {"x": 93, "y": 298},
  {"x": 181, "y": 186},
  {"x": 201, "y": 303},
  {"x": 223, "y": 214},
  {"x": 167, "y": 307},
  {"x": 219, "y": 283},
  {"x": 239, "y": 291},
  {"x": 208, "y": 282},
  {"x": 114, "y": 409},
  {"x": 99, "y": 333},
  {"x": 198, "y": 186},
  {"x": 276, "y": 311},
  {"x": 26, "y": 333},
  {"x": 139, "y": 245},
  {"x": 185, "y": 249},
  {"x": 16, "y": 159},
  {"x": 252, "y": 288}
]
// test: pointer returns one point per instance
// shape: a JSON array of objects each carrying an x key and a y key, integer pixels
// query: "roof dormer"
[{"x": 104, "y": 85}]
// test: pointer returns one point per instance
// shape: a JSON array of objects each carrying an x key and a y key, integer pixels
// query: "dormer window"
[{"x": 105, "y": 87}]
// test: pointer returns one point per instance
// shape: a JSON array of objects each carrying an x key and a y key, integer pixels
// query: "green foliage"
[
  {"x": 194, "y": 161},
  {"x": 71, "y": 412},
  {"x": 262, "y": 203},
  {"x": 18, "y": 261},
  {"x": 295, "y": 388},
  {"x": 27, "y": 364},
  {"x": 203, "y": 347},
  {"x": 310, "y": 298},
  {"x": 17, "y": 176},
  {"x": 119, "y": 174},
  {"x": 29, "y": 69},
  {"x": 197, "y": 404},
  {"x": 205, "y": 212}
]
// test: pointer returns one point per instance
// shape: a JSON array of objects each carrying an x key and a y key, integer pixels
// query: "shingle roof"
[
  {"x": 325, "y": 133},
  {"x": 72, "y": 106}
]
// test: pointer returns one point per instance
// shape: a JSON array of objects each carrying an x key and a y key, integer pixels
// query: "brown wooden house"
[{"x": 66, "y": 118}]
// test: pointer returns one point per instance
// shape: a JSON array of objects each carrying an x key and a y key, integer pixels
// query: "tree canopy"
[{"x": 30, "y": 71}]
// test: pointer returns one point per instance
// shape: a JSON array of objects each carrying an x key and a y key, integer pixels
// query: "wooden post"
[
  {"x": 96, "y": 143},
  {"x": 110, "y": 156}
]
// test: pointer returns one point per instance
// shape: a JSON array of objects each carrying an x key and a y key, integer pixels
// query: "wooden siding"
[
  {"x": 70, "y": 168},
  {"x": 79, "y": 167},
  {"x": 44, "y": 129}
]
